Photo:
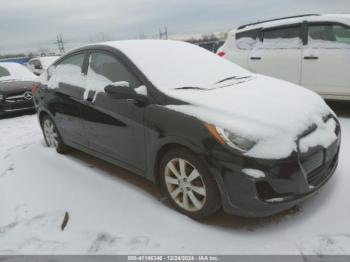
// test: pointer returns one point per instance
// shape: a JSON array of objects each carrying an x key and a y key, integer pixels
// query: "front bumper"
[
  {"x": 281, "y": 184},
  {"x": 8, "y": 106}
]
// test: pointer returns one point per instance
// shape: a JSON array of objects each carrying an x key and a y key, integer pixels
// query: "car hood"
[
  {"x": 270, "y": 111},
  {"x": 13, "y": 87}
]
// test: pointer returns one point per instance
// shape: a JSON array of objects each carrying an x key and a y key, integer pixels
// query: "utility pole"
[
  {"x": 60, "y": 43},
  {"x": 163, "y": 34}
]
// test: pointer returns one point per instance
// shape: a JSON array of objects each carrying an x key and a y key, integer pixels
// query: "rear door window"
[
  {"x": 329, "y": 36},
  {"x": 68, "y": 71},
  {"x": 74, "y": 60},
  {"x": 282, "y": 38},
  {"x": 246, "y": 40}
]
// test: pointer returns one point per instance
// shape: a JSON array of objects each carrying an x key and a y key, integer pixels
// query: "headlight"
[{"x": 233, "y": 140}]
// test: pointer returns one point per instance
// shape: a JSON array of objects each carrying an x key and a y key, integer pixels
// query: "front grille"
[
  {"x": 18, "y": 101},
  {"x": 317, "y": 162},
  {"x": 312, "y": 162},
  {"x": 17, "y": 106},
  {"x": 317, "y": 177},
  {"x": 17, "y": 98}
]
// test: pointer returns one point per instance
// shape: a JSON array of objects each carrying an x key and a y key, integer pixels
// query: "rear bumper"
[{"x": 280, "y": 185}]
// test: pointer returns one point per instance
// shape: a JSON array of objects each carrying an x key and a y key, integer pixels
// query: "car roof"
[
  {"x": 172, "y": 64},
  {"x": 342, "y": 18}
]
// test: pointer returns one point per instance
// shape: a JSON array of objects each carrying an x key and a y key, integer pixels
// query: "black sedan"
[
  {"x": 16, "y": 83},
  {"x": 212, "y": 134}
]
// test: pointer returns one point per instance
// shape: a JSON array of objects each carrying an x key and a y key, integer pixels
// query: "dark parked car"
[
  {"x": 211, "y": 133},
  {"x": 16, "y": 83}
]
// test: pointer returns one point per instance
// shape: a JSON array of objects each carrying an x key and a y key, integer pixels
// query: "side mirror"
[{"x": 122, "y": 90}]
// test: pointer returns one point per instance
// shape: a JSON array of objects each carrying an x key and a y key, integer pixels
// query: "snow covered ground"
[{"x": 114, "y": 212}]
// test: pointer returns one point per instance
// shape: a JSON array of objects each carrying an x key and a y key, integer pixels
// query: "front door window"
[{"x": 329, "y": 36}]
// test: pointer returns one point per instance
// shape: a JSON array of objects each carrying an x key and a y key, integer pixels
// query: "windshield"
[
  {"x": 4, "y": 72},
  {"x": 174, "y": 64}
]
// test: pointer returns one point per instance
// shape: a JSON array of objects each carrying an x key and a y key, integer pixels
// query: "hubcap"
[
  {"x": 50, "y": 133},
  {"x": 185, "y": 185}
]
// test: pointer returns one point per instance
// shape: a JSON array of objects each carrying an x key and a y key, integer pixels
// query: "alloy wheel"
[
  {"x": 185, "y": 185},
  {"x": 50, "y": 133}
]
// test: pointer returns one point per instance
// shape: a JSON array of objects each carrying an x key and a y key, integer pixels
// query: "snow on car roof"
[
  {"x": 344, "y": 18},
  {"x": 17, "y": 72},
  {"x": 172, "y": 64}
]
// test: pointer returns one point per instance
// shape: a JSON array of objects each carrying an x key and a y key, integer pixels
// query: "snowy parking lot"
[{"x": 111, "y": 211}]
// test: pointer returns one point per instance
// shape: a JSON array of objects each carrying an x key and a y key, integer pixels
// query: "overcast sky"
[{"x": 33, "y": 24}]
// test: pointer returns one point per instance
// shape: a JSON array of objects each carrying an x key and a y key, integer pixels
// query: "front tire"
[
  {"x": 188, "y": 185},
  {"x": 52, "y": 136}
]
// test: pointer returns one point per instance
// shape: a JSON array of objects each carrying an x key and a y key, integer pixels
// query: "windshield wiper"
[
  {"x": 232, "y": 77},
  {"x": 190, "y": 87},
  {"x": 221, "y": 81}
]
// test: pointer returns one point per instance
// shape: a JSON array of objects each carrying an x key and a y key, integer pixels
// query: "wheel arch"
[
  {"x": 166, "y": 147},
  {"x": 41, "y": 115}
]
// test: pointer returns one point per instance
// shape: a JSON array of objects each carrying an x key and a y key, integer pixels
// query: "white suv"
[{"x": 309, "y": 50}]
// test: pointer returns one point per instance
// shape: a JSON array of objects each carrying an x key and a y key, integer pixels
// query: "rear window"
[
  {"x": 282, "y": 38},
  {"x": 4, "y": 72},
  {"x": 247, "y": 39}
]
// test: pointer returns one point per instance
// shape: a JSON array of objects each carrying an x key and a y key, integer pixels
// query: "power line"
[{"x": 60, "y": 43}]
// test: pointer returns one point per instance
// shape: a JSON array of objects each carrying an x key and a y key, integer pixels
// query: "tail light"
[
  {"x": 34, "y": 88},
  {"x": 221, "y": 53}
]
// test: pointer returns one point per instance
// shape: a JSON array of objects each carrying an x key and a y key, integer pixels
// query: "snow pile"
[
  {"x": 17, "y": 72},
  {"x": 245, "y": 43},
  {"x": 68, "y": 74},
  {"x": 141, "y": 90},
  {"x": 94, "y": 82},
  {"x": 324, "y": 135},
  {"x": 72, "y": 75}
]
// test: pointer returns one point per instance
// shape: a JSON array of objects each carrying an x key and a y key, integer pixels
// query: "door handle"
[
  {"x": 310, "y": 57},
  {"x": 255, "y": 58}
]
